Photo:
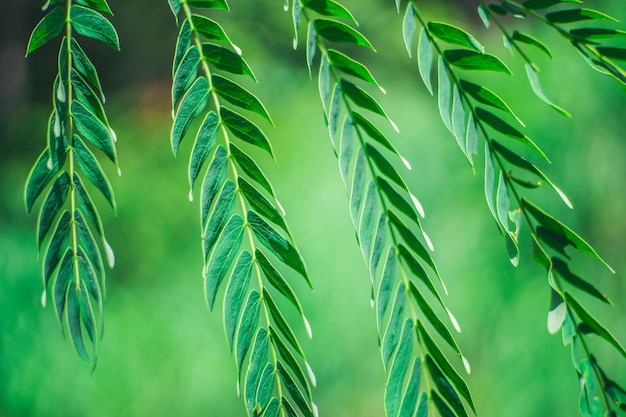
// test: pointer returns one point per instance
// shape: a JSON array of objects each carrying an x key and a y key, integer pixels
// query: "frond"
[
  {"x": 246, "y": 242},
  {"x": 69, "y": 228}
]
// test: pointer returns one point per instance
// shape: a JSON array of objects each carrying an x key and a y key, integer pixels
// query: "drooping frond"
[
  {"x": 470, "y": 110},
  {"x": 69, "y": 228},
  {"x": 246, "y": 242},
  {"x": 387, "y": 220}
]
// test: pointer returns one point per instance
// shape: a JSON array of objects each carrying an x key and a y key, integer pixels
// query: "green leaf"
[
  {"x": 595, "y": 33},
  {"x": 85, "y": 204},
  {"x": 213, "y": 179},
  {"x": 191, "y": 105},
  {"x": 340, "y": 32},
  {"x": 372, "y": 131},
  {"x": 399, "y": 369},
  {"x": 475, "y": 61},
  {"x": 251, "y": 169},
  {"x": 209, "y": 4},
  {"x": 239, "y": 96},
  {"x": 350, "y": 66},
  {"x": 61, "y": 283},
  {"x": 88, "y": 97},
  {"x": 88, "y": 243},
  {"x": 290, "y": 360},
  {"x": 362, "y": 98},
  {"x": 334, "y": 113},
  {"x": 311, "y": 47},
  {"x": 281, "y": 322},
  {"x": 96, "y": 4},
  {"x": 488, "y": 97},
  {"x": 444, "y": 94},
  {"x": 235, "y": 294},
  {"x": 444, "y": 387},
  {"x": 226, "y": 248},
  {"x": 397, "y": 200},
  {"x": 554, "y": 225},
  {"x": 384, "y": 166},
  {"x": 258, "y": 358},
  {"x": 392, "y": 333},
  {"x": 273, "y": 408},
  {"x": 47, "y": 29},
  {"x": 52, "y": 206},
  {"x": 534, "y": 83},
  {"x": 543, "y": 4},
  {"x": 74, "y": 322},
  {"x": 366, "y": 226},
  {"x": 182, "y": 44},
  {"x": 186, "y": 74},
  {"x": 383, "y": 295},
  {"x": 276, "y": 280},
  {"x": 557, "y": 313},
  {"x": 577, "y": 15},
  {"x": 245, "y": 130},
  {"x": 294, "y": 391},
  {"x": 483, "y": 13},
  {"x": 425, "y": 59},
  {"x": 409, "y": 237},
  {"x": 56, "y": 248},
  {"x": 93, "y": 130},
  {"x": 613, "y": 53},
  {"x": 422, "y": 409},
  {"x": 328, "y": 8},
  {"x": 85, "y": 67},
  {"x": 38, "y": 179},
  {"x": 378, "y": 246},
  {"x": 208, "y": 28},
  {"x": 458, "y": 120},
  {"x": 411, "y": 394},
  {"x": 281, "y": 247},
  {"x": 563, "y": 270},
  {"x": 323, "y": 82},
  {"x": 203, "y": 145},
  {"x": 247, "y": 327},
  {"x": 409, "y": 27},
  {"x": 593, "y": 324},
  {"x": 358, "y": 184},
  {"x": 219, "y": 216},
  {"x": 175, "y": 6},
  {"x": 506, "y": 129},
  {"x": 226, "y": 60},
  {"x": 265, "y": 388},
  {"x": 454, "y": 35},
  {"x": 93, "y": 25},
  {"x": 260, "y": 204},
  {"x": 416, "y": 268},
  {"x": 91, "y": 168},
  {"x": 520, "y": 37}
]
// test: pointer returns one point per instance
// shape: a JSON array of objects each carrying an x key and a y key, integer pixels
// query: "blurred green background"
[{"x": 163, "y": 354}]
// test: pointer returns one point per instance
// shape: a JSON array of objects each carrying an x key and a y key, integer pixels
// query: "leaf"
[
  {"x": 557, "y": 313},
  {"x": 258, "y": 358},
  {"x": 361, "y": 98},
  {"x": 520, "y": 37},
  {"x": 358, "y": 185},
  {"x": 88, "y": 243},
  {"x": 458, "y": 120},
  {"x": 475, "y": 61},
  {"x": 57, "y": 246},
  {"x": 444, "y": 94},
  {"x": 226, "y": 249},
  {"x": 425, "y": 60},
  {"x": 324, "y": 82},
  {"x": 239, "y": 96},
  {"x": 203, "y": 145},
  {"x": 384, "y": 166},
  {"x": 311, "y": 46},
  {"x": 383, "y": 295},
  {"x": 93, "y": 130},
  {"x": 419, "y": 272},
  {"x": 90, "y": 166},
  {"x": 483, "y": 13},
  {"x": 372, "y": 131},
  {"x": 536, "y": 87},
  {"x": 411, "y": 394},
  {"x": 226, "y": 60},
  {"x": 277, "y": 281},
  {"x": 506, "y": 129},
  {"x": 47, "y": 29},
  {"x": 444, "y": 387},
  {"x": 182, "y": 44},
  {"x": 613, "y": 53},
  {"x": 88, "y": 97},
  {"x": 412, "y": 241},
  {"x": 554, "y": 225},
  {"x": 186, "y": 74},
  {"x": 593, "y": 33},
  {"x": 86, "y": 205},
  {"x": 563, "y": 270},
  {"x": 454, "y": 35},
  {"x": 399, "y": 368},
  {"x": 260, "y": 204},
  {"x": 543, "y": 4},
  {"x": 85, "y": 67},
  {"x": 191, "y": 105},
  {"x": 488, "y": 97},
  {"x": 281, "y": 322},
  {"x": 55, "y": 199},
  {"x": 378, "y": 246},
  {"x": 61, "y": 283},
  {"x": 593, "y": 325},
  {"x": 219, "y": 216},
  {"x": 350, "y": 66},
  {"x": 213, "y": 179},
  {"x": 408, "y": 28},
  {"x": 265, "y": 388},
  {"x": 294, "y": 391},
  {"x": 208, "y": 28},
  {"x": 38, "y": 179},
  {"x": 279, "y": 246},
  {"x": 392, "y": 333},
  {"x": 368, "y": 221},
  {"x": 340, "y": 32},
  {"x": 247, "y": 327},
  {"x": 245, "y": 130},
  {"x": 74, "y": 322},
  {"x": 250, "y": 167},
  {"x": 93, "y": 25},
  {"x": 397, "y": 200},
  {"x": 290, "y": 360},
  {"x": 334, "y": 113},
  {"x": 329, "y": 8},
  {"x": 235, "y": 294},
  {"x": 209, "y": 4},
  {"x": 577, "y": 15}
]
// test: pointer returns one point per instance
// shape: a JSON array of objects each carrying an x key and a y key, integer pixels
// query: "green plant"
[{"x": 243, "y": 228}]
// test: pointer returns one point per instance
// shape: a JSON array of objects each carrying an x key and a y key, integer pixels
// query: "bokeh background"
[{"x": 163, "y": 354}]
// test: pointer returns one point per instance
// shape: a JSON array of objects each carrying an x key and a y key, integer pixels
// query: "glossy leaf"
[
  {"x": 203, "y": 145},
  {"x": 250, "y": 168},
  {"x": 247, "y": 327},
  {"x": 340, "y": 32},
  {"x": 425, "y": 60},
  {"x": 488, "y": 97},
  {"x": 55, "y": 199},
  {"x": 277, "y": 280},
  {"x": 245, "y": 130},
  {"x": 186, "y": 74},
  {"x": 226, "y": 60},
  {"x": 454, "y": 35},
  {"x": 534, "y": 83},
  {"x": 239, "y": 96},
  {"x": 475, "y": 61},
  {"x": 93, "y": 25},
  {"x": 399, "y": 369},
  {"x": 191, "y": 105},
  {"x": 47, "y": 29},
  {"x": 350, "y": 66},
  {"x": 520, "y": 37},
  {"x": 260, "y": 204},
  {"x": 220, "y": 215},
  {"x": 329, "y": 8},
  {"x": 577, "y": 15},
  {"x": 93, "y": 130},
  {"x": 213, "y": 179},
  {"x": 92, "y": 170},
  {"x": 235, "y": 294}
]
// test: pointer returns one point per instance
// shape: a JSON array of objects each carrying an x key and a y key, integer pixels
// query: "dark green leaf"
[
  {"x": 47, "y": 29},
  {"x": 362, "y": 98},
  {"x": 593, "y": 33},
  {"x": 191, "y": 105},
  {"x": 350, "y": 66},
  {"x": 383, "y": 296},
  {"x": 226, "y": 60},
  {"x": 88, "y": 243},
  {"x": 247, "y": 327},
  {"x": 203, "y": 145},
  {"x": 543, "y": 4},
  {"x": 182, "y": 44},
  {"x": 409, "y": 400},
  {"x": 245, "y": 130},
  {"x": 258, "y": 359},
  {"x": 290, "y": 360},
  {"x": 392, "y": 333},
  {"x": 281, "y": 247},
  {"x": 520, "y": 37},
  {"x": 408, "y": 28},
  {"x": 454, "y": 35},
  {"x": 88, "y": 97},
  {"x": 613, "y": 53},
  {"x": 488, "y": 97},
  {"x": 235, "y": 294},
  {"x": 92, "y": 24},
  {"x": 444, "y": 94},
  {"x": 226, "y": 248},
  {"x": 56, "y": 247},
  {"x": 399, "y": 369},
  {"x": 358, "y": 184},
  {"x": 474, "y": 61},
  {"x": 346, "y": 150},
  {"x": 294, "y": 391},
  {"x": 563, "y": 270},
  {"x": 340, "y": 32},
  {"x": 52, "y": 205},
  {"x": 328, "y": 8},
  {"x": 208, "y": 28},
  {"x": 239, "y": 96},
  {"x": 281, "y": 322},
  {"x": 209, "y": 4},
  {"x": 266, "y": 387},
  {"x": 411, "y": 240},
  {"x": 219, "y": 216},
  {"x": 444, "y": 387},
  {"x": 276, "y": 280},
  {"x": 213, "y": 179},
  {"x": 186, "y": 74},
  {"x": 93, "y": 130},
  {"x": 534, "y": 84},
  {"x": 260, "y": 204},
  {"x": 91, "y": 168},
  {"x": 372, "y": 131},
  {"x": 38, "y": 179},
  {"x": 577, "y": 15},
  {"x": 251, "y": 169},
  {"x": 74, "y": 322},
  {"x": 425, "y": 58},
  {"x": 368, "y": 222},
  {"x": 419, "y": 272},
  {"x": 397, "y": 200}
]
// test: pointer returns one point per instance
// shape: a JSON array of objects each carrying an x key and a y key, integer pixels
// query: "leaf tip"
[
  {"x": 466, "y": 365},
  {"x": 43, "y": 299},
  {"x": 455, "y": 323},
  {"x": 109, "y": 253},
  {"x": 309, "y": 370},
  {"x": 307, "y": 326}
]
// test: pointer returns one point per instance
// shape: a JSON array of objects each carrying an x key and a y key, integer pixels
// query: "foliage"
[{"x": 244, "y": 232}]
